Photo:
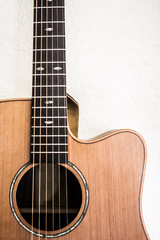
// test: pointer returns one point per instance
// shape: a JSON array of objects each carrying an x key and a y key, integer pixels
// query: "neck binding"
[{"x": 49, "y": 102}]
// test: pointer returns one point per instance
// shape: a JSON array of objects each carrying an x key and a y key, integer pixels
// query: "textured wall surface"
[{"x": 113, "y": 71}]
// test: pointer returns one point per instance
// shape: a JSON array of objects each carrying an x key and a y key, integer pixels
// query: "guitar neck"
[{"x": 49, "y": 102}]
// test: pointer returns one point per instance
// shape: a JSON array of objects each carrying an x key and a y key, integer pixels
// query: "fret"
[
  {"x": 47, "y": 97},
  {"x": 47, "y": 139},
  {"x": 51, "y": 49},
  {"x": 50, "y": 127},
  {"x": 48, "y": 107},
  {"x": 62, "y": 129},
  {"x": 47, "y": 136},
  {"x": 50, "y": 22},
  {"x": 56, "y": 104},
  {"x": 49, "y": 92},
  {"x": 41, "y": 92},
  {"x": 57, "y": 117},
  {"x": 55, "y": 97},
  {"x": 49, "y": 74},
  {"x": 49, "y": 157},
  {"x": 53, "y": 86},
  {"x": 58, "y": 121},
  {"x": 56, "y": 42},
  {"x": 49, "y": 104},
  {"x": 49, "y": 112},
  {"x": 60, "y": 132},
  {"x": 49, "y": 152},
  {"x": 49, "y": 62},
  {"x": 47, "y": 7},
  {"x": 49, "y": 133},
  {"x": 50, "y": 144},
  {"x": 49, "y": 14},
  {"x": 53, "y": 36},
  {"x": 50, "y": 80},
  {"x": 49, "y": 55},
  {"x": 49, "y": 149},
  {"x": 40, "y": 28},
  {"x": 44, "y": 3}
]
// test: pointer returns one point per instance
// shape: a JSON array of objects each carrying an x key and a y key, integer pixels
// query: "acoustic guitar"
[{"x": 54, "y": 185}]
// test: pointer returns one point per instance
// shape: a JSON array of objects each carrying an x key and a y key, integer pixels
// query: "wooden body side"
[{"x": 112, "y": 165}]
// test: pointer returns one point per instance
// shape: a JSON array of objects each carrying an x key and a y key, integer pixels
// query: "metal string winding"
[
  {"x": 40, "y": 160},
  {"x": 65, "y": 104},
  {"x": 34, "y": 86},
  {"x": 59, "y": 179},
  {"x": 46, "y": 220}
]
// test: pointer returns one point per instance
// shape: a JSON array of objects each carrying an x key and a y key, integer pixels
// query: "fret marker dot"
[
  {"x": 49, "y": 102},
  {"x": 57, "y": 68},
  {"x": 48, "y": 122},
  {"x": 49, "y": 29},
  {"x": 40, "y": 68}
]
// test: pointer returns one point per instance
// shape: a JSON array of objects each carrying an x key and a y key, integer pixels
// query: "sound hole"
[{"x": 50, "y": 197}]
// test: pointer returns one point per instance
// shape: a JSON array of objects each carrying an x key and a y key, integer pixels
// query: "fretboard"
[{"x": 49, "y": 102}]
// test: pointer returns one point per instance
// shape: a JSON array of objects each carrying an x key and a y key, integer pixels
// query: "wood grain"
[{"x": 113, "y": 166}]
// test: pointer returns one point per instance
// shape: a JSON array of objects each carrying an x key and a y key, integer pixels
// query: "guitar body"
[{"x": 113, "y": 166}]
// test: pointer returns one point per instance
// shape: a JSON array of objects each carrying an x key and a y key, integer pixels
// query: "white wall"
[{"x": 113, "y": 57}]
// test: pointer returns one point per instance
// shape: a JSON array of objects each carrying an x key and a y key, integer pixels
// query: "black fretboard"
[{"x": 49, "y": 102}]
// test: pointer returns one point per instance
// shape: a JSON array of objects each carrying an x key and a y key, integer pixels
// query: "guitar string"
[
  {"x": 46, "y": 130},
  {"x": 65, "y": 103},
  {"x": 59, "y": 179},
  {"x": 40, "y": 99},
  {"x": 53, "y": 150},
  {"x": 46, "y": 115},
  {"x": 33, "y": 155}
]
